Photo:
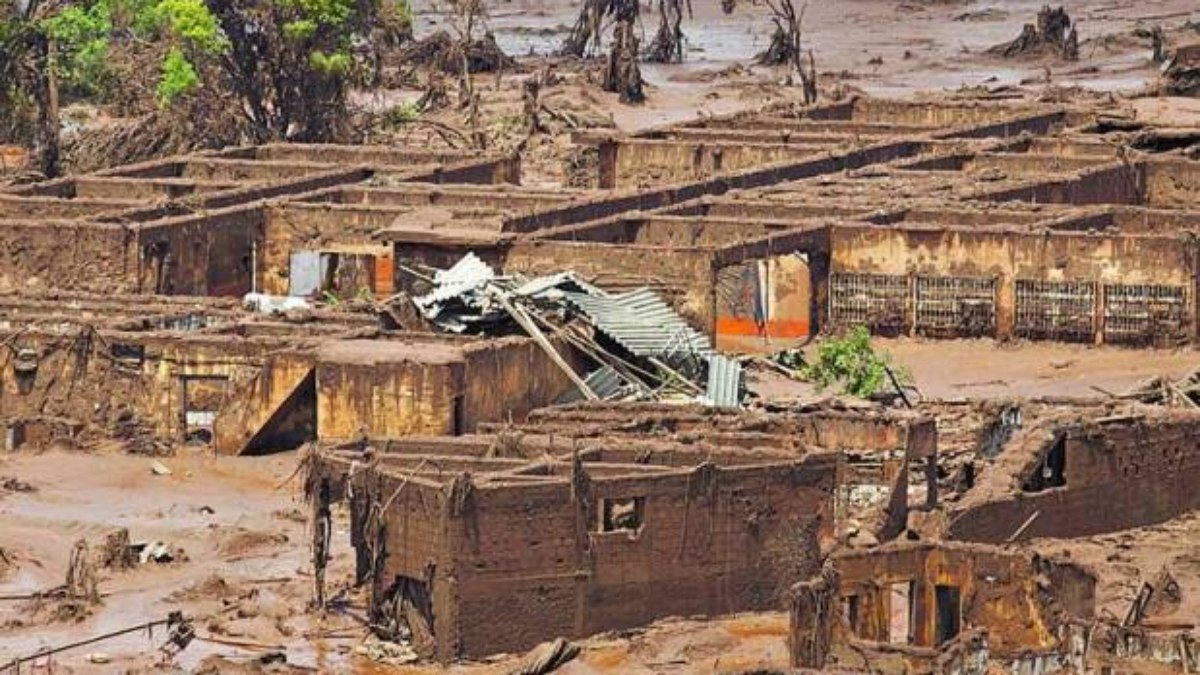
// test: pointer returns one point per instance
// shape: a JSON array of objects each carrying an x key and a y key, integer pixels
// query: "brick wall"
[
  {"x": 1118, "y": 476},
  {"x": 528, "y": 563}
]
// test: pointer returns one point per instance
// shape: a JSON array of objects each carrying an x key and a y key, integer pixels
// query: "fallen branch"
[
  {"x": 245, "y": 644},
  {"x": 174, "y": 619}
]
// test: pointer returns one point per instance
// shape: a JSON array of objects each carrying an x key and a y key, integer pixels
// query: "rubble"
[
  {"x": 531, "y": 421},
  {"x": 639, "y": 348}
]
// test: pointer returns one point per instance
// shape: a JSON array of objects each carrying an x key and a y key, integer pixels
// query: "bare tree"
[
  {"x": 667, "y": 46},
  {"x": 787, "y": 47},
  {"x": 621, "y": 74},
  {"x": 586, "y": 32}
]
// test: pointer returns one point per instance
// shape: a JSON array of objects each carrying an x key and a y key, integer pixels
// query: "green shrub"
[
  {"x": 179, "y": 77},
  {"x": 81, "y": 33},
  {"x": 190, "y": 21},
  {"x": 850, "y": 364}
]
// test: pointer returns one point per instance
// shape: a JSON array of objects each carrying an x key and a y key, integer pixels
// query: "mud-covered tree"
[
  {"x": 585, "y": 34},
  {"x": 621, "y": 73},
  {"x": 270, "y": 69},
  {"x": 787, "y": 47},
  {"x": 290, "y": 63},
  {"x": 28, "y": 91},
  {"x": 667, "y": 45}
]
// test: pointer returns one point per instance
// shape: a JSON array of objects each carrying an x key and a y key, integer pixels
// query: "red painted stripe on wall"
[{"x": 729, "y": 325}]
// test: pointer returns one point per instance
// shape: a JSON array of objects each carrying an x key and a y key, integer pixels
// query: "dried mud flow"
[{"x": 236, "y": 526}]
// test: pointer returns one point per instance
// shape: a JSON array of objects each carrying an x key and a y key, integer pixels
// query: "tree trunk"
[
  {"x": 586, "y": 31},
  {"x": 622, "y": 74},
  {"x": 44, "y": 90},
  {"x": 667, "y": 46}
]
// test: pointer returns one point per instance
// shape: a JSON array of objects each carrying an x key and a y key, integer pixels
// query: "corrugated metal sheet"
[
  {"x": 306, "y": 269},
  {"x": 467, "y": 274},
  {"x": 642, "y": 323},
  {"x": 606, "y": 383},
  {"x": 724, "y": 382}
]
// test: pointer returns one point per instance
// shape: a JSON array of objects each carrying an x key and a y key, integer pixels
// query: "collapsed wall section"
[
  {"x": 515, "y": 556},
  {"x": 1079, "y": 480},
  {"x": 916, "y": 599}
]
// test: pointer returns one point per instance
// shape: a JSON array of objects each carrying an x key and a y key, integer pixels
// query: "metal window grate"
[
  {"x": 1145, "y": 314},
  {"x": 874, "y": 300},
  {"x": 1056, "y": 310},
  {"x": 956, "y": 306}
]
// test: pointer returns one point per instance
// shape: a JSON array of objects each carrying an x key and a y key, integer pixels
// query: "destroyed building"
[
  {"x": 1075, "y": 477},
  {"x": 541, "y": 435},
  {"x": 939, "y": 607},
  {"x": 557, "y": 528},
  {"x": 174, "y": 369}
]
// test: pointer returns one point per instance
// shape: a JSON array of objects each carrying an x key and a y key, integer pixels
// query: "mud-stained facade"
[
  {"x": 940, "y": 220},
  {"x": 195, "y": 225},
  {"x": 1071, "y": 479},
  {"x": 496, "y": 554},
  {"x": 937, "y": 220},
  {"x": 918, "y": 605},
  {"x": 207, "y": 369},
  {"x": 889, "y": 461}
]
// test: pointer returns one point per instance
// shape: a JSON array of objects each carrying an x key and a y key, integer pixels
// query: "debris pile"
[
  {"x": 441, "y": 52},
  {"x": 633, "y": 345},
  {"x": 1181, "y": 393},
  {"x": 1054, "y": 34},
  {"x": 1181, "y": 72},
  {"x": 547, "y": 658}
]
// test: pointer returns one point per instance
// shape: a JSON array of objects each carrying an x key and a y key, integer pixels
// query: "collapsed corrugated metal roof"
[
  {"x": 607, "y": 383},
  {"x": 642, "y": 323},
  {"x": 652, "y": 353}
]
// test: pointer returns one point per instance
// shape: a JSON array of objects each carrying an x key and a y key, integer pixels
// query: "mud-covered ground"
[
  {"x": 246, "y": 581},
  {"x": 961, "y": 369},
  {"x": 237, "y": 525},
  {"x": 883, "y": 48}
]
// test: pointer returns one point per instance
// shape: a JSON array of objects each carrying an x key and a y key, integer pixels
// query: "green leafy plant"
[
  {"x": 81, "y": 35},
  {"x": 404, "y": 113},
  {"x": 852, "y": 365},
  {"x": 192, "y": 22},
  {"x": 179, "y": 77}
]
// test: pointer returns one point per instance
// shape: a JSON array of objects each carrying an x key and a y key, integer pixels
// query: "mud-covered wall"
[
  {"x": 635, "y": 163},
  {"x": 530, "y": 562},
  {"x": 120, "y": 383},
  {"x": 387, "y": 390},
  {"x": 1111, "y": 258},
  {"x": 1109, "y": 184},
  {"x": 507, "y": 378},
  {"x": 326, "y": 228},
  {"x": 1172, "y": 184},
  {"x": 210, "y": 254},
  {"x": 259, "y": 397},
  {"x": 69, "y": 256},
  {"x": 891, "y": 111},
  {"x": 1118, "y": 476},
  {"x": 1149, "y": 278},
  {"x": 48, "y": 207},
  {"x": 1012, "y": 596}
]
